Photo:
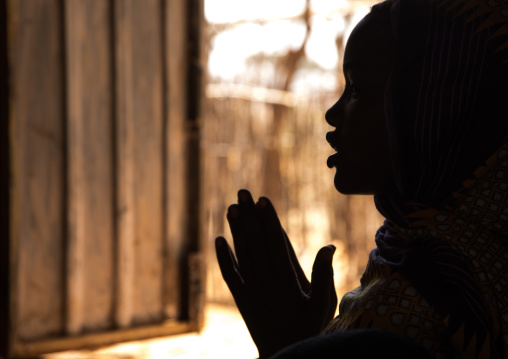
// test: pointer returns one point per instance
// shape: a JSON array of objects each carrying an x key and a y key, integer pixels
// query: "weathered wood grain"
[
  {"x": 124, "y": 122},
  {"x": 37, "y": 169},
  {"x": 139, "y": 141},
  {"x": 175, "y": 100},
  {"x": 5, "y": 160},
  {"x": 90, "y": 166},
  {"x": 147, "y": 113},
  {"x": 98, "y": 149}
]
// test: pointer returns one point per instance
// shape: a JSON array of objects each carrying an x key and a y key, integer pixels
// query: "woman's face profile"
[{"x": 362, "y": 161}]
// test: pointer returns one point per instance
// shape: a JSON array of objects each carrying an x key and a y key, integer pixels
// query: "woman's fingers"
[
  {"x": 249, "y": 238},
  {"x": 228, "y": 267},
  {"x": 276, "y": 244},
  {"x": 245, "y": 260},
  {"x": 321, "y": 300},
  {"x": 254, "y": 234},
  {"x": 302, "y": 278}
]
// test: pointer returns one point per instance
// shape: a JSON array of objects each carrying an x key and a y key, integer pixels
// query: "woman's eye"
[{"x": 355, "y": 89}]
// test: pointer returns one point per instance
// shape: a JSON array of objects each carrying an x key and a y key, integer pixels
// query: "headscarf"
[
  {"x": 447, "y": 113},
  {"x": 447, "y": 101}
]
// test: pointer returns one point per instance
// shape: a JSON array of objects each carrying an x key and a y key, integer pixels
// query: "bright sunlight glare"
[
  {"x": 271, "y": 28},
  {"x": 221, "y": 11}
]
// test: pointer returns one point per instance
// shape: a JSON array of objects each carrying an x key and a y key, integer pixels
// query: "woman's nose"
[{"x": 332, "y": 114}]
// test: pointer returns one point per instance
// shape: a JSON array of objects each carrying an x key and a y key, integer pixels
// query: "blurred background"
[
  {"x": 129, "y": 127},
  {"x": 274, "y": 68}
]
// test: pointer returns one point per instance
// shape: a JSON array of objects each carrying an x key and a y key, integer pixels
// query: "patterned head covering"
[
  {"x": 447, "y": 101},
  {"x": 446, "y": 233},
  {"x": 447, "y": 113}
]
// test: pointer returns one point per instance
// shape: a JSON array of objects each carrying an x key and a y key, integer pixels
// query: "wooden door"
[{"x": 99, "y": 172}]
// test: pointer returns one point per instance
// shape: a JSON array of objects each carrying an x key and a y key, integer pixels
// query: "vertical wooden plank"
[
  {"x": 125, "y": 163},
  {"x": 175, "y": 28},
  {"x": 195, "y": 20},
  {"x": 140, "y": 150},
  {"x": 90, "y": 210},
  {"x": 37, "y": 168},
  {"x": 4, "y": 186},
  {"x": 139, "y": 131},
  {"x": 147, "y": 112},
  {"x": 75, "y": 215}
]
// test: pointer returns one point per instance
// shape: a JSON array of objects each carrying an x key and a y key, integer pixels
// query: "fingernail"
[
  {"x": 263, "y": 202},
  {"x": 243, "y": 195},
  {"x": 328, "y": 255},
  {"x": 219, "y": 242},
  {"x": 233, "y": 211}
]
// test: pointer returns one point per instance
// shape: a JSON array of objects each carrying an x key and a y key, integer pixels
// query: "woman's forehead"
[{"x": 369, "y": 40}]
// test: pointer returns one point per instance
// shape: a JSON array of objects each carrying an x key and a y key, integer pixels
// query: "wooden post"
[{"x": 193, "y": 137}]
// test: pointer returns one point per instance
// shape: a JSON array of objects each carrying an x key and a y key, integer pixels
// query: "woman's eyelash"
[{"x": 355, "y": 89}]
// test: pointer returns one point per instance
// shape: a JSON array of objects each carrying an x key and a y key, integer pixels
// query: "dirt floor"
[{"x": 224, "y": 336}]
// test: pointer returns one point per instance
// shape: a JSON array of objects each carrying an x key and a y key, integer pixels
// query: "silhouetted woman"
[{"x": 423, "y": 126}]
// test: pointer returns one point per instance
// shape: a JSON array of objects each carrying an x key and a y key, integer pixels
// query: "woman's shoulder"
[{"x": 387, "y": 300}]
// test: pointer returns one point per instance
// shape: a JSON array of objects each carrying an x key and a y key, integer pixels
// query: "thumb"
[{"x": 322, "y": 285}]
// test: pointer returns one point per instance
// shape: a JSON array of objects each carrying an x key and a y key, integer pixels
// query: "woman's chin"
[
  {"x": 351, "y": 185},
  {"x": 342, "y": 185}
]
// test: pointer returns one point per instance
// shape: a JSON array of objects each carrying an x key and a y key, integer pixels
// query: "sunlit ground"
[{"x": 224, "y": 336}]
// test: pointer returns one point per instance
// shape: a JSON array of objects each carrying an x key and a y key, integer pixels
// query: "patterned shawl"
[{"x": 442, "y": 254}]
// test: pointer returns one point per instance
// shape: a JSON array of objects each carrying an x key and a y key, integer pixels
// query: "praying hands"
[{"x": 277, "y": 302}]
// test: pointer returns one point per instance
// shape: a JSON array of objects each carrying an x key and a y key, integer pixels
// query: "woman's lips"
[
  {"x": 332, "y": 140},
  {"x": 332, "y": 160}
]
